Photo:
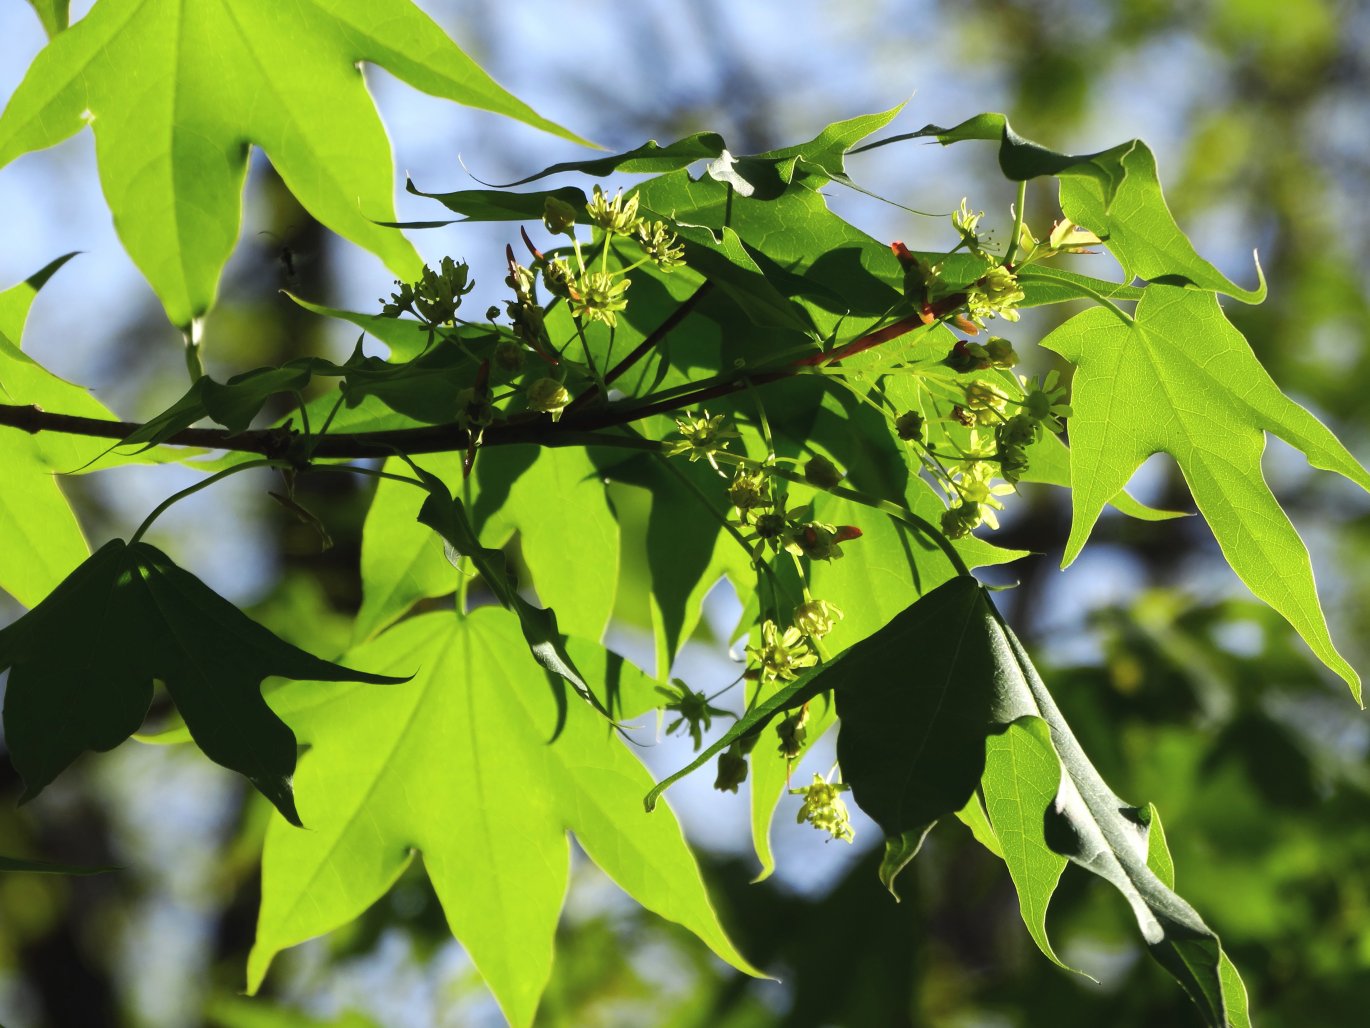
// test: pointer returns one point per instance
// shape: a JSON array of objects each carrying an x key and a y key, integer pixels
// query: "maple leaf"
[
  {"x": 176, "y": 91},
  {"x": 457, "y": 766},
  {"x": 82, "y": 663},
  {"x": 1180, "y": 379},
  {"x": 42, "y": 538}
]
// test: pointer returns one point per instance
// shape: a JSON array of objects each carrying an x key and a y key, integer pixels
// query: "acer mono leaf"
[
  {"x": 43, "y": 539},
  {"x": 456, "y": 766},
  {"x": 175, "y": 91},
  {"x": 1180, "y": 379},
  {"x": 82, "y": 664}
]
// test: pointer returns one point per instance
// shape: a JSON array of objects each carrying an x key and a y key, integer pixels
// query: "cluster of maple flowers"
[
  {"x": 993, "y": 420},
  {"x": 781, "y": 653},
  {"x": 593, "y": 288}
]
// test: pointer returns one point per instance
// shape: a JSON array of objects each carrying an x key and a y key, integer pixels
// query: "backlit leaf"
[
  {"x": 457, "y": 767},
  {"x": 176, "y": 91},
  {"x": 1180, "y": 379}
]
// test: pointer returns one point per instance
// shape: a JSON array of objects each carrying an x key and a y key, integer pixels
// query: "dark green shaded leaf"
[
  {"x": 649, "y": 158},
  {"x": 82, "y": 665},
  {"x": 912, "y": 745},
  {"x": 837, "y": 273},
  {"x": 496, "y": 205},
  {"x": 1093, "y": 827},
  {"x": 405, "y": 337}
]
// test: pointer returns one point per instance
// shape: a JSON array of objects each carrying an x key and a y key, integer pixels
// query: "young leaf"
[
  {"x": 649, "y": 158},
  {"x": 497, "y": 205},
  {"x": 1180, "y": 379},
  {"x": 82, "y": 665},
  {"x": 848, "y": 279},
  {"x": 823, "y": 156},
  {"x": 456, "y": 765},
  {"x": 405, "y": 337},
  {"x": 232, "y": 404},
  {"x": 175, "y": 91}
]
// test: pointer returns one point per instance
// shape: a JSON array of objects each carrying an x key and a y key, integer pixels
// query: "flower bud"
[
  {"x": 732, "y": 769},
  {"x": 548, "y": 396},
  {"x": 1000, "y": 352},
  {"x": 793, "y": 732},
  {"x": 822, "y": 473},
  {"x": 508, "y": 356},
  {"x": 748, "y": 490},
  {"x": 557, "y": 215},
  {"x": 911, "y": 426}
]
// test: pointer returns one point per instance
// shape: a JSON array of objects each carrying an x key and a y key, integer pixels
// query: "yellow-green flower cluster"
[
  {"x": 823, "y": 808},
  {"x": 701, "y": 437},
  {"x": 617, "y": 216},
  {"x": 598, "y": 296},
  {"x": 659, "y": 243},
  {"x": 781, "y": 655},
  {"x": 995, "y": 294}
]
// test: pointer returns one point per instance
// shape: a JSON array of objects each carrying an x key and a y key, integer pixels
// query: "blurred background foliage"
[{"x": 1186, "y": 693}]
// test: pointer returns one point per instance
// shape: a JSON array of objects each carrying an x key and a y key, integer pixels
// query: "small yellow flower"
[
  {"x": 616, "y": 216},
  {"x": 823, "y": 808},
  {"x": 599, "y": 297},
  {"x": 816, "y": 618},
  {"x": 702, "y": 436},
  {"x": 782, "y": 655}
]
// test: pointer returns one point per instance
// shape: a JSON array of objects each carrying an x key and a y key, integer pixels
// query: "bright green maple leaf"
[
  {"x": 1022, "y": 779},
  {"x": 457, "y": 765},
  {"x": 1180, "y": 379},
  {"x": 177, "y": 90},
  {"x": 42, "y": 538},
  {"x": 82, "y": 665}
]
